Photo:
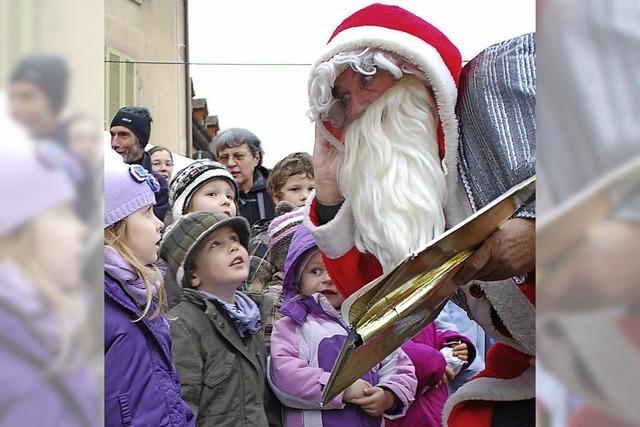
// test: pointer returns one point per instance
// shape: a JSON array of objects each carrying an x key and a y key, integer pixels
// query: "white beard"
[{"x": 392, "y": 175}]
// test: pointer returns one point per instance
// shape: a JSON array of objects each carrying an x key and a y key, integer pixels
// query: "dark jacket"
[
  {"x": 257, "y": 203},
  {"x": 162, "y": 196},
  {"x": 223, "y": 375},
  {"x": 141, "y": 383}
]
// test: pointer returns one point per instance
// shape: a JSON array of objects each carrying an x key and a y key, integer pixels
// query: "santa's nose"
[{"x": 356, "y": 108}]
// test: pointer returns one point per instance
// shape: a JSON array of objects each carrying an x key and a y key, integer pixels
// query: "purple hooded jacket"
[
  {"x": 32, "y": 393},
  {"x": 141, "y": 383},
  {"x": 305, "y": 344}
]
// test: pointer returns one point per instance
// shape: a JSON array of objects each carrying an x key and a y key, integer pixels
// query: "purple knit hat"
[
  {"x": 281, "y": 230},
  {"x": 31, "y": 181},
  {"x": 127, "y": 188}
]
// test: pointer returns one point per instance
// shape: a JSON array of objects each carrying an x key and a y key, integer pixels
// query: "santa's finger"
[{"x": 470, "y": 268}]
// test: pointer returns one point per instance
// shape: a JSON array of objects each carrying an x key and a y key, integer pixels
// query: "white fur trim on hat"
[
  {"x": 515, "y": 311},
  {"x": 418, "y": 52},
  {"x": 336, "y": 237},
  {"x": 181, "y": 202},
  {"x": 493, "y": 389}
]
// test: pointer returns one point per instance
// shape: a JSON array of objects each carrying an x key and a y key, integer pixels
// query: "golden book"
[{"x": 395, "y": 307}]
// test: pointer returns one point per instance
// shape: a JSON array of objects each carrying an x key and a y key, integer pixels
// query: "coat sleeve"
[
  {"x": 293, "y": 381},
  {"x": 188, "y": 364},
  {"x": 349, "y": 268},
  {"x": 397, "y": 374},
  {"x": 428, "y": 361}
]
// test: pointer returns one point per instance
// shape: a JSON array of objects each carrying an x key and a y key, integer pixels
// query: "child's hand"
[
  {"x": 355, "y": 391},
  {"x": 446, "y": 377},
  {"x": 376, "y": 402},
  {"x": 461, "y": 352}
]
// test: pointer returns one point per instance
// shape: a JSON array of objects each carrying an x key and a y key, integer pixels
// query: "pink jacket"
[{"x": 424, "y": 351}]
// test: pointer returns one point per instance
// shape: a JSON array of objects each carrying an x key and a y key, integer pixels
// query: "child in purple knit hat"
[
  {"x": 141, "y": 381},
  {"x": 42, "y": 307}
]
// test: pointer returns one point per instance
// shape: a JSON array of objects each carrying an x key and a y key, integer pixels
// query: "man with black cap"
[
  {"x": 130, "y": 131},
  {"x": 38, "y": 89}
]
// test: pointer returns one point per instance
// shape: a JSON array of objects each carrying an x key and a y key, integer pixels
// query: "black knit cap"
[
  {"x": 49, "y": 73},
  {"x": 138, "y": 119}
]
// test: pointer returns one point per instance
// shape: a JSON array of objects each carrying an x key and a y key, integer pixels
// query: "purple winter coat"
[
  {"x": 141, "y": 383},
  {"x": 32, "y": 393}
]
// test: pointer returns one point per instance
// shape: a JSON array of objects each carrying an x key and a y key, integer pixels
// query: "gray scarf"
[{"x": 244, "y": 313}]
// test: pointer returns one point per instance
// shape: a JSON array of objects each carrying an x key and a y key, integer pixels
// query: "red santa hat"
[{"x": 397, "y": 30}]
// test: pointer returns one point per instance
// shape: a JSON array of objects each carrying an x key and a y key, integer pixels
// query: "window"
[
  {"x": 21, "y": 26},
  {"x": 120, "y": 87}
]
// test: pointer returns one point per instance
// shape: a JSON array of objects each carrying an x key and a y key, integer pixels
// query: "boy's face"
[
  {"x": 215, "y": 195},
  {"x": 296, "y": 190},
  {"x": 315, "y": 279},
  {"x": 221, "y": 262}
]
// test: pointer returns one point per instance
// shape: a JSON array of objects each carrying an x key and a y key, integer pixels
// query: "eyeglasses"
[
  {"x": 238, "y": 157},
  {"x": 167, "y": 163}
]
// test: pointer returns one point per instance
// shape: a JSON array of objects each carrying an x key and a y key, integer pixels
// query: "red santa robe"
[{"x": 394, "y": 29}]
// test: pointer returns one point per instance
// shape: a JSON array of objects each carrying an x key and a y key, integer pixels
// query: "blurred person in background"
[
  {"x": 240, "y": 151},
  {"x": 85, "y": 139},
  {"x": 85, "y": 144},
  {"x": 589, "y": 311},
  {"x": 45, "y": 365},
  {"x": 162, "y": 162},
  {"x": 38, "y": 89},
  {"x": 37, "y": 93},
  {"x": 202, "y": 154},
  {"x": 130, "y": 132}
]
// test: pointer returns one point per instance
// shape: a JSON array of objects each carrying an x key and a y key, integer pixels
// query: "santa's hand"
[
  {"x": 325, "y": 163},
  {"x": 509, "y": 252},
  {"x": 600, "y": 271}
]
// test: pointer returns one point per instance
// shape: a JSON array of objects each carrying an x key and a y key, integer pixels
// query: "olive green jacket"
[{"x": 223, "y": 376}]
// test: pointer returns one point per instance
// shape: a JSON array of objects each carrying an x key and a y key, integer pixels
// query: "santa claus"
[{"x": 390, "y": 177}]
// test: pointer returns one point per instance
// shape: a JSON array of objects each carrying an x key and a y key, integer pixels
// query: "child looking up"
[{"x": 217, "y": 339}]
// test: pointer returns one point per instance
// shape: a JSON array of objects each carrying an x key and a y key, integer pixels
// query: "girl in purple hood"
[
  {"x": 141, "y": 382},
  {"x": 306, "y": 342}
]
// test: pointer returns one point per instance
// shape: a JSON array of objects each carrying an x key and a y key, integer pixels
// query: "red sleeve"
[{"x": 350, "y": 269}]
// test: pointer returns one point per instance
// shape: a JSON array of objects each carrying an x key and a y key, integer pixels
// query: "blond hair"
[
  {"x": 67, "y": 306},
  {"x": 115, "y": 236}
]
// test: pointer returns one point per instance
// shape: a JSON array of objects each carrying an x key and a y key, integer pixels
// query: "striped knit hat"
[
  {"x": 281, "y": 230},
  {"x": 192, "y": 177}
]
